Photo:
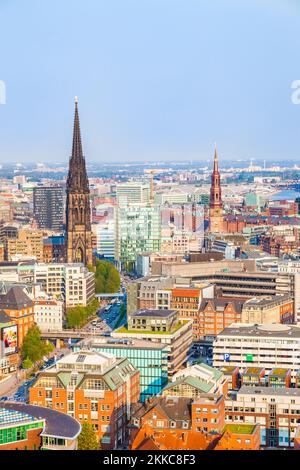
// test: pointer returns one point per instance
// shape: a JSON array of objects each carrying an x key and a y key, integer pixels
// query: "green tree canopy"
[
  {"x": 80, "y": 315},
  {"x": 87, "y": 439},
  {"x": 107, "y": 278},
  {"x": 33, "y": 347},
  {"x": 27, "y": 364}
]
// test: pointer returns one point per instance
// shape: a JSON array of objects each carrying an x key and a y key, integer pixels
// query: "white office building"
[
  {"x": 133, "y": 192},
  {"x": 48, "y": 314},
  {"x": 73, "y": 283},
  {"x": 266, "y": 346}
]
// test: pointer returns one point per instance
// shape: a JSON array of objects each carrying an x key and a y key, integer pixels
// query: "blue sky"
[{"x": 156, "y": 79}]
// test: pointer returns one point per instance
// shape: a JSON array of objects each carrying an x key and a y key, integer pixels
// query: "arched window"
[{"x": 79, "y": 255}]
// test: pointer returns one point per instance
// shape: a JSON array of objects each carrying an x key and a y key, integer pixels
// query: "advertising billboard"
[{"x": 9, "y": 337}]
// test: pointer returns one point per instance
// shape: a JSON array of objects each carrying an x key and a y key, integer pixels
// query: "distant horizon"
[
  {"x": 255, "y": 162},
  {"x": 157, "y": 80}
]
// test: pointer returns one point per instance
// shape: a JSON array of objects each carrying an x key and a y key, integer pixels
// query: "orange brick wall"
[
  {"x": 112, "y": 405},
  {"x": 203, "y": 420}
]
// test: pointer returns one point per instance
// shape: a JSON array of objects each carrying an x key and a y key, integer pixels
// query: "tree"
[
  {"x": 78, "y": 316},
  {"x": 87, "y": 439},
  {"x": 107, "y": 278},
  {"x": 33, "y": 347},
  {"x": 27, "y": 364}
]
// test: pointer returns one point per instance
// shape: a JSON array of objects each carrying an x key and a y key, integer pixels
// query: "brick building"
[
  {"x": 177, "y": 423},
  {"x": 240, "y": 437},
  {"x": 93, "y": 387},
  {"x": 216, "y": 314},
  {"x": 187, "y": 302},
  {"x": 276, "y": 410}
]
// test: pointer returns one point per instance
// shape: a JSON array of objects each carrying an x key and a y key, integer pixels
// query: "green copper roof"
[{"x": 193, "y": 382}]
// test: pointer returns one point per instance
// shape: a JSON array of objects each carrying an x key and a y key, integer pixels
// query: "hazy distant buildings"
[
  {"x": 132, "y": 193},
  {"x": 48, "y": 207},
  {"x": 182, "y": 227}
]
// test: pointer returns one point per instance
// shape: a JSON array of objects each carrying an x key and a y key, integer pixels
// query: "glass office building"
[
  {"x": 149, "y": 358},
  {"x": 138, "y": 230}
]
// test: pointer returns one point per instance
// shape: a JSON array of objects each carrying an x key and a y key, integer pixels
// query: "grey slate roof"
[{"x": 15, "y": 299}]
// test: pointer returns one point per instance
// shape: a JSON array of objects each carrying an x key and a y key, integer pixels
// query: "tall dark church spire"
[
  {"x": 78, "y": 213},
  {"x": 77, "y": 177}
]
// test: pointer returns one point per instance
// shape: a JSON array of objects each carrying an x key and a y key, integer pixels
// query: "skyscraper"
[
  {"x": 78, "y": 213},
  {"x": 216, "y": 206},
  {"x": 48, "y": 207}
]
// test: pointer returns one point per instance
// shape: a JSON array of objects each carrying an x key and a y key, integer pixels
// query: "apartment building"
[
  {"x": 240, "y": 437},
  {"x": 261, "y": 346},
  {"x": 72, "y": 282},
  {"x": 187, "y": 302},
  {"x": 48, "y": 207},
  {"x": 216, "y": 314},
  {"x": 173, "y": 423},
  {"x": 150, "y": 358},
  {"x": 94, "y": 387},
  {"x": 48, "y": 314},
  {"x": 276, "y": 410},
  {"x": 142, "y": 294},
  {"x": 29, "y": 243}
]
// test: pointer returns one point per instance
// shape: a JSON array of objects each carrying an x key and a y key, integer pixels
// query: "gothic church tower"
[{"x": 78, "y": 213}]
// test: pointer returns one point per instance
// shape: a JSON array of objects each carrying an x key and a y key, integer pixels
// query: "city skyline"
[{"x": 145, "y": 94}]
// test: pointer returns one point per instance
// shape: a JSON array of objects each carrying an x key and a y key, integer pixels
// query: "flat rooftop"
[
  {"x": 86, "y": 358},
  {"x": 119, "y": 343},
  {"x": 241, "y": 428},
  {"x": 57, "y": 424},
  {"x": 276, "y": 330},
  {"x": 267, "y": 300},
  {"x": 228, "y": 369},
  {"x": 154, "y": 313},
  {"x": 279, "y": 372},
  {"x": 253, "y": 371},
  {"x": 284, "y": 392}
]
